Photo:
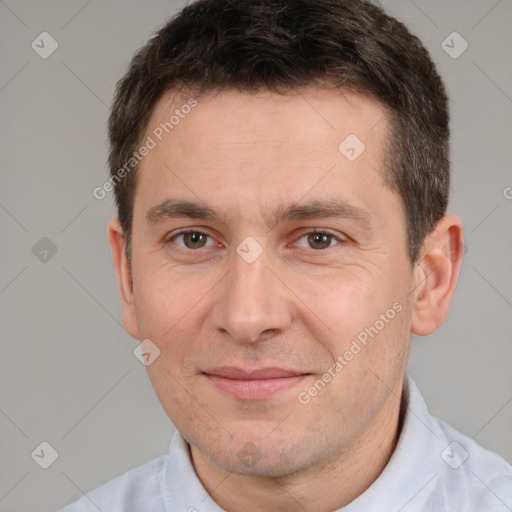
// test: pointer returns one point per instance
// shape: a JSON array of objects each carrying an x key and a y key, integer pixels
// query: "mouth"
[{"x": 256, "y": 384}]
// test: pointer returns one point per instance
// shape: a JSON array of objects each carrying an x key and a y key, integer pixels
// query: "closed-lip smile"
[{"x": 253, "y": 384}]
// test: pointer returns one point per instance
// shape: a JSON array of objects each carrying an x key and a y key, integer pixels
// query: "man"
[{"x": 281, "y": 174}]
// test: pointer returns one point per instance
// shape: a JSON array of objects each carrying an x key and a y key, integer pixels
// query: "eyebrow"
[
  {"x": 320, "y": 209},
  {"x": 170, "y": 208}
]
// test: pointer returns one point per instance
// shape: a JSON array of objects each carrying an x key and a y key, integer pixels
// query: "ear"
[
  {"x": 124, "y": 274},
  {"x": 436, "y": 274}
]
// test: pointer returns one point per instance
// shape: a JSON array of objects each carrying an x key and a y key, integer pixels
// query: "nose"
[{"x": 252, "y": 303}]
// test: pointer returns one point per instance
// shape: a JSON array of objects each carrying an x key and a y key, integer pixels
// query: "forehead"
[
  {"x": 302, "y": 116},
  {"x": 244, "y": 150}
]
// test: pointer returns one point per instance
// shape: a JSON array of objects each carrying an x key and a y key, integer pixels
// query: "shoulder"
[
  {"x": 473, "y": 477},
  {"x": 439, "y": 468},
  {"x": 135, "y": 490}
]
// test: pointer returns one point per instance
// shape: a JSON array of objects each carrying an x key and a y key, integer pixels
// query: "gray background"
[{"x": 68, "y": 375}]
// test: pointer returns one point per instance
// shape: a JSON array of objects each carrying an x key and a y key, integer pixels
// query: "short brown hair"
[{"x": 280, "y": 45}]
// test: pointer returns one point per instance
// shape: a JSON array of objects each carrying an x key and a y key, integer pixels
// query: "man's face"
[{"x": 296, "y": 247}]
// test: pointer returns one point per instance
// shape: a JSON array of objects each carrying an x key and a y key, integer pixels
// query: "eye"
[
  {"x": 318, "y": 240},
  {"x": 192, "y": 239}
]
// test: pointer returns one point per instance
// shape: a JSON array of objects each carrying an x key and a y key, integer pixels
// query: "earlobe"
[
  {"x": 436, "y": 275},
  {"x": 124, "y": 275}
]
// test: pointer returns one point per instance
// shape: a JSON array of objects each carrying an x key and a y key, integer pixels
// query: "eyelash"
[{"x": 334, "y": 237}]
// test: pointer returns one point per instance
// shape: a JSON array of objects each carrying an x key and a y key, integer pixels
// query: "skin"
[{"x": 296, "y": 306}]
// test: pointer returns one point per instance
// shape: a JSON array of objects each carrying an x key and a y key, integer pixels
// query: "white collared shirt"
[{"x": 433, "y": 468}]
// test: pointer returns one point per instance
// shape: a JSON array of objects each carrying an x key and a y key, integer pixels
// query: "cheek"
[
  {"x": 341, "y": 304},
  {"x": 165, "y": 300},
  {"x": 171, "y": 313},
  {"x": 361, "y": 320}
]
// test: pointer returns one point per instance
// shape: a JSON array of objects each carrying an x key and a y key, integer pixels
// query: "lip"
[{"x": 254, "y": 384}]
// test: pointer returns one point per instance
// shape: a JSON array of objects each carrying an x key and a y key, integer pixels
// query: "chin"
[{"x": 269, "y": 461}]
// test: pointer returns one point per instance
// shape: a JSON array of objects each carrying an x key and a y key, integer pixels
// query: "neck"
[{"x": 328, "y": 486}]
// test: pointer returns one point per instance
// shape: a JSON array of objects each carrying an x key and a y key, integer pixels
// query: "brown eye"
[
  {"x": 193, "y": 240},
  {"x": 319, "y": 240}
]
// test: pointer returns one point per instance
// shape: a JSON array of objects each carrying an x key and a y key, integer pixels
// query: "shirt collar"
[{"x": 182, "y": 489}]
